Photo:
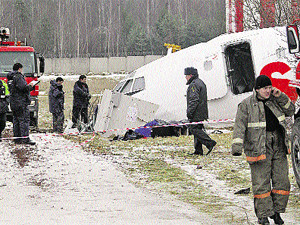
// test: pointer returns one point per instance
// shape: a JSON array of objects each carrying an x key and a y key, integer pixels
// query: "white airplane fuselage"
[{"x": 227, "y": 64}]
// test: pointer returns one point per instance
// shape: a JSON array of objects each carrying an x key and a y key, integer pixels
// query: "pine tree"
[{"x": 137, "y": 42}]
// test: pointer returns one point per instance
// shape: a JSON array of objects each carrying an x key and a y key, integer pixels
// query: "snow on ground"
[
  {"x": 55, "y": 182},
  {"x": 76, "y": 77}
]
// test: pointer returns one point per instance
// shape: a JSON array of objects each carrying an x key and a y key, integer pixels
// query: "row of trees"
[{"x": 80, "y": 28}]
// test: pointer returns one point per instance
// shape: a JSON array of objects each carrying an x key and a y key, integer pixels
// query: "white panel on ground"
[
  {"x": 118, "y": 112},
  {"x": 104, "y": 112}
]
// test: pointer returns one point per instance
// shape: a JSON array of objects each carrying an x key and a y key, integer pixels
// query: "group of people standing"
[
  {"x": 16, "y": 92},
  {"x": 81, "y": 97}
]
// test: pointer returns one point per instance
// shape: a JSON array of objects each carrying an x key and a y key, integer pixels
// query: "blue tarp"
[{"x": 146, "y": 132}]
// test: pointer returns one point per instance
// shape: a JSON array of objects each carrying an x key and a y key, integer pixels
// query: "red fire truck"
[{"x": 13, "y": 52}]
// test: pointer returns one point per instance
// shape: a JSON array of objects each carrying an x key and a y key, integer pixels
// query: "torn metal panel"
[{"x": 118, "y": 111}]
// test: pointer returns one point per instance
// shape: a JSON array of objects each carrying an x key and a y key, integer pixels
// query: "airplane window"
[
  {"x": 126, "y": 88},
  {"x": 291, "y": 40},
  {"x": 139, "y": 84},
  {"x": 208, "y": 65},
  {"x": 131, "y": 74},
  {"x": 118, "y": 86}
]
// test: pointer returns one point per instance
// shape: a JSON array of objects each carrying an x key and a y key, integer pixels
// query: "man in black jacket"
[
  {"x": 19, "y": 102},
  {"x": 197, "y": 110},
  {"x": 56, "y": 104},
  {"x": 81, "y": 97}
]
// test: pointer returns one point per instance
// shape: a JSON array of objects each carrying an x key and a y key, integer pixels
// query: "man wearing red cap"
[{"x": 260, "y": 129}]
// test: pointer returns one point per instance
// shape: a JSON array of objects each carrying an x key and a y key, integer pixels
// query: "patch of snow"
[{"x": 76, "y": 77}]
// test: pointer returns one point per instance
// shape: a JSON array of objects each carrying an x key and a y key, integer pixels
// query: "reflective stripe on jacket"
[
  {"x": 250, "y": 125},
  {"x": 6, "y": 88},
  {"x": 4, "y": 97}
]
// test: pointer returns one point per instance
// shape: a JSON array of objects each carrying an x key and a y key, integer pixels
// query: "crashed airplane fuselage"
[{"x": 228, "y": 65}]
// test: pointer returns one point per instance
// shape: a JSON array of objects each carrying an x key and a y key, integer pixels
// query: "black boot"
[
  {"x": 196, "y": 153},
  {"x": 198, "y": 147},
  {"x": 210, "y": 148},
  {"x": 17, "y": 141},
  {"x": 277, "y": 219},
  {"x": 28, "y": 141},
  {"x": 263, "y": 221}
]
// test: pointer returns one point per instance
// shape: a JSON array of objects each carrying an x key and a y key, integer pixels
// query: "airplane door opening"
[{"x": 240, "y": 68}]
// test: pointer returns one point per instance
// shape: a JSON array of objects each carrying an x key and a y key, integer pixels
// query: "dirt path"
[{"x": 55, "y": 183}]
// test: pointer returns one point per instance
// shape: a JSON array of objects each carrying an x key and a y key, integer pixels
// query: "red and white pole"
[
  {"x": 267, "y": 13},
  {"x": 239, "y": 15},
  {"x": 230, "y": 21},
  {"x": 295, "y": 10}
]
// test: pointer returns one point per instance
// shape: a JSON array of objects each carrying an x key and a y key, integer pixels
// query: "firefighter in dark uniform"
[
  {"x": 81, "y": 97},
  {"x": 56, "y": 104},
  {"x": 19, "y": 102},
  {"x": 197, "y": 110},
  {"x": 260, "y": 129},
  {"x": 4, "y": 101}
]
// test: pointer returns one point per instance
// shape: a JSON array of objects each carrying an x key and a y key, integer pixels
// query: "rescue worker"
[
  {"x": 260, "y": 129},
  {"x": 19, "y": 102},
  {"x": 56, "y": 104},
  {"x": 197, "y": 110},
  {"x": 4, "y": 101},
  {"x": 81, "y": 97}
]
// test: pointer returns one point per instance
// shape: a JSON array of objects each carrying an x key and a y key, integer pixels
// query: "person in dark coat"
[
  {"x": 19, "y": 102},
  {"x": 81, "y": 97},
  {"x": 197, "y": 110},
  {"x": 56, "y": 104},
  {"x": 4, "y": 101}
]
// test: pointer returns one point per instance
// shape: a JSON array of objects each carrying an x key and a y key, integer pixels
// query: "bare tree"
[{"x": 267, "y": 13}]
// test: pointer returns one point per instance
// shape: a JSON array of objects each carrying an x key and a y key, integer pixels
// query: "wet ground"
[{"x": 55, "y": 182}]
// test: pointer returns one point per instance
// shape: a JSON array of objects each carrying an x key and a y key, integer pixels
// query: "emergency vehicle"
[{"x": 16, "y": 52}]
